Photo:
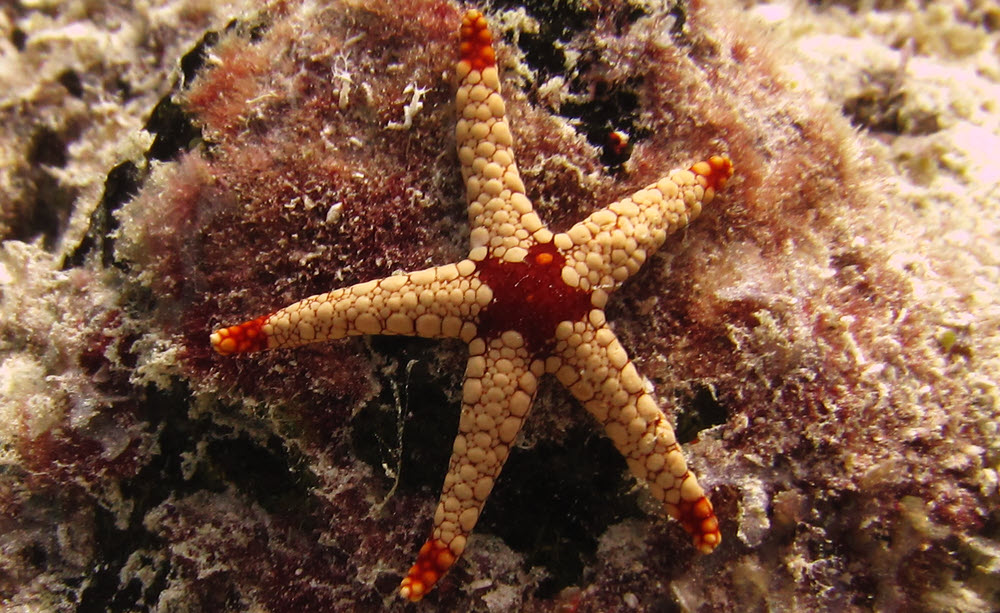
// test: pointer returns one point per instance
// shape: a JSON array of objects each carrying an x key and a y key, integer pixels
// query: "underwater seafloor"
[{"x": 825, "y": 334}]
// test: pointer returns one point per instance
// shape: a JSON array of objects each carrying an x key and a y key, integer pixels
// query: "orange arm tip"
[
  {"x": 476, "y": 42},
  {"x": 247, "y": 336},
  {"x": 716, "y": 170}
]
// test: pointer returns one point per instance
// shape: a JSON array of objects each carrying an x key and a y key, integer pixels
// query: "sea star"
[{"x": 527, "y": 302}]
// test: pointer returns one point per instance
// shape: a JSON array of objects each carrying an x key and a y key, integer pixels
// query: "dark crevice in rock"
[
  {"x": 122, "y": 184},
  {"x": 430, "y": 421},
  {"x": 554, "y": 500},
  {"x": 52, "y": 200},
  {"x": 174, "y": 133},
  {"x": 70, "y": 79},
  {"x": 47, "y": 148},
  {"x": 147, "y": 489},
  {"x": 18, "y": 38},
  {"x": 613, "y": 108},
  {"x": 195, "y": 59},
  {"x": 174, "y": 130},
  {"x": 266, "y": 473},
  {"x": 703, "y": 411}
]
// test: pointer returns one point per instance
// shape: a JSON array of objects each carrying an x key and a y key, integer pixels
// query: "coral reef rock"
[{"x": 826, "y": 334}]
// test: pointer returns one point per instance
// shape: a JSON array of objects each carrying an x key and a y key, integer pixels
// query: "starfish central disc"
[{"x": 530, "y": 297}]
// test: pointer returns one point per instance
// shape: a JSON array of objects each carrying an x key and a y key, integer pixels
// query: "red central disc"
[{"x": 530, "y": 297}]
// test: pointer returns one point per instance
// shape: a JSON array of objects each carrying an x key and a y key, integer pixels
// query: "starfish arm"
[
  {"x": 498, "y": 393},
  {"x": 611, "y": 244},
  {"x": 439, "y": 302},
  {"x": 501, "y": 216},
  {"x": 597, "y": 371}
]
